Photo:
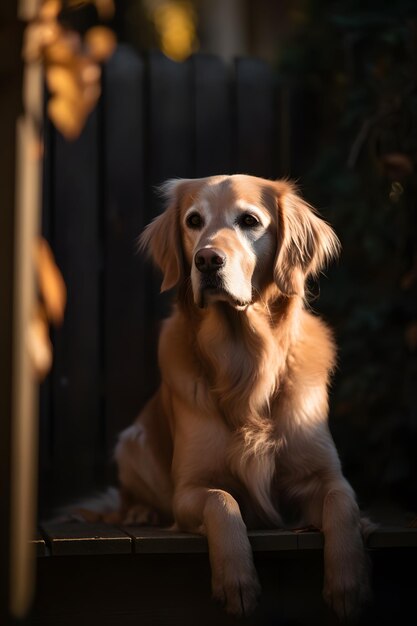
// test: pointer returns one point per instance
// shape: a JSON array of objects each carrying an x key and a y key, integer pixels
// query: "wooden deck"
[
  {"x": 75, "y": 538},
  {"x": 123, "y": 576}
]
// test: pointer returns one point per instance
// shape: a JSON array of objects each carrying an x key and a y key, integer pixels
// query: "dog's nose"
[{"x": 209, "y": 259}]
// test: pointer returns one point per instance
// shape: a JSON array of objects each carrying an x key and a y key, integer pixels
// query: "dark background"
[
  {"x": 350, "y": 69},
  {"x": 359, "y": 61}
]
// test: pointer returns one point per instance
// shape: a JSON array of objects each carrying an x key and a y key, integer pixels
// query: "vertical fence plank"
[
  {"x": 170, "y": 150},
  {"x": 170, "y": 110},
  {"x": 125, "y": 293},
  {"x": 76, "y": 373},
  {"x": 256, "y": 142},
  {"x": 213, "y": 116}
]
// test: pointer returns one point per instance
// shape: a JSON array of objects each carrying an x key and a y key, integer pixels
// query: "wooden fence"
[{"x": 156, "y": 120}]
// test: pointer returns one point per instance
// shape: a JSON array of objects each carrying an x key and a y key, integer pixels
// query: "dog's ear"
[
  {"x": 305, "y": 242},
  {"x": 162, "y": 238}
]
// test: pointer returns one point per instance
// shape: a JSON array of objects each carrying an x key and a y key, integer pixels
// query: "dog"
[{"x": 236, "y": 437}]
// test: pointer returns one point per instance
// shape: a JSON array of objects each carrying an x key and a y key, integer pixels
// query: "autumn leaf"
[
  {"x": 51, "y": 283},
  {"x": 39, "y": 345},
  {"x": 100, "y": 42}
]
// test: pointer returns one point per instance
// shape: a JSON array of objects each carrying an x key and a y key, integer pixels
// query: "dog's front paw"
[
  {"x": 236, "y": 588},
  {"x": 347, "y": 591}
]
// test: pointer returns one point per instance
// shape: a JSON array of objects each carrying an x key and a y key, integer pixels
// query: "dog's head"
[{"x": 235, "y": 236}]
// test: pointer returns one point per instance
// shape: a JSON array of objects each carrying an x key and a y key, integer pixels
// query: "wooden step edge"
[{"x": 76, "y": 538}]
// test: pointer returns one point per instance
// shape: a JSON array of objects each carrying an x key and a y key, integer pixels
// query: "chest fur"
[
  {"x": 243, "y": 363},
  {"x": 240, "y": 459}
]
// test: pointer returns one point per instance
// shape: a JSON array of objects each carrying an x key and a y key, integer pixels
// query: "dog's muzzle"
[{"x": 210, "y": 263}]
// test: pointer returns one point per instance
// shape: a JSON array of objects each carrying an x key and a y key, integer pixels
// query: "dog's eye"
[
  {"x": 194, "y": 220},
  {"x": 248, "y": 221}
]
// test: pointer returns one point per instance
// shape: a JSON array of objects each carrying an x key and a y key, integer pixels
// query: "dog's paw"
[
  {"x": 348, "y": 594},
  {"x": 235, "y": 589}
]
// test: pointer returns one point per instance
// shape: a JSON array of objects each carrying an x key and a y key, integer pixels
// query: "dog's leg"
[
  {"x": 332, "y": 506},
  {"x": 346, "y": 575},
  {"x": 311, "y": 476},
  {"x": 216, "y": 514}
]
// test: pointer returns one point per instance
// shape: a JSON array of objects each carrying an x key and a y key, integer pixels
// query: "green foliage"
[{"x": 357, "y": 60}]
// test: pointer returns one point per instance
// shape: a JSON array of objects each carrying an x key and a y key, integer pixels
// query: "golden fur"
[{"x": 237, "y": 434}]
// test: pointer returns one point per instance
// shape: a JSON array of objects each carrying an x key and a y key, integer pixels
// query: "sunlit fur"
[{"x": 237, "y": 434}]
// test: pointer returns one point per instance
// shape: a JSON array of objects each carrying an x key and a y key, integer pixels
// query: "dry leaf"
[
  {"x": 37, "y": 37},
  {"x": 67, "y": 117},
  {"x": 90, "y": 72},
  {"x": 100, "y": 42},
  {"x": 62, "y": 52},
  {"x": 39, "y": 344},
  {"x": 51, "y": 283},
  {"x": 50, "y": 10},
  {"x": 72, "y": 73},
  {"x": 63, "y": 82}
]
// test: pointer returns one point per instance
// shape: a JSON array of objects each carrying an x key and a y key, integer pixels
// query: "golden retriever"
[{"x": 237, "y": 436}]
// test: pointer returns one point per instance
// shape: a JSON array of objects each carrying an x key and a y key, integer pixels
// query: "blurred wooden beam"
[{"x": 19, "y": 182}]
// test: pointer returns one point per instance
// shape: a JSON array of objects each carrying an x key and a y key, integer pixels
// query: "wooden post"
[{"x": 19, "y": 216}]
